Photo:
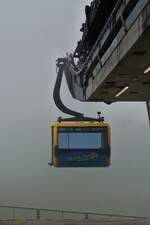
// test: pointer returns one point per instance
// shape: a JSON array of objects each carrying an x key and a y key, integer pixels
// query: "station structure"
[{"x": 111, "y": 62}]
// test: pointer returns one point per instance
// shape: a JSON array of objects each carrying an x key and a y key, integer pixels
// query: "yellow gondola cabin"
[{"x": 81, "y": 144}]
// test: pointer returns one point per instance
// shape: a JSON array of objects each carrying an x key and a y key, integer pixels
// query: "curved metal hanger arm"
[{"x": 56, "y": 93}]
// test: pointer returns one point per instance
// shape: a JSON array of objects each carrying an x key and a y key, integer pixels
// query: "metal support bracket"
[{"x": 82, "y": 119}]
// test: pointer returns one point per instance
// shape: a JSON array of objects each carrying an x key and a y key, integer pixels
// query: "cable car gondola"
[
  {"x": 78, "y": 141},
  {"x": 81, "y": 144}
]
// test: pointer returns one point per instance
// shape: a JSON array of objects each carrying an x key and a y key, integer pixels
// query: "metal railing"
[{"x": 27, "y": 213}]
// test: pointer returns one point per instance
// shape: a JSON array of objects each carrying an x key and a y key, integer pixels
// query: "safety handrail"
[{"x": 86, "y": 215}]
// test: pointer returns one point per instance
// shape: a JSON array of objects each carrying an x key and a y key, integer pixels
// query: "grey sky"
[{"x": 33, "y": 33}]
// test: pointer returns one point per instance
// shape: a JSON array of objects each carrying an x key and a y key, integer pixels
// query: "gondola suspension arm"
[
  {"x": 60, "y": 63},
  {"x": 76, "y": 116}
]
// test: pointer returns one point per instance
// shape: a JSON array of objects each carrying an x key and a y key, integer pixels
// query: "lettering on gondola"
[{"x": 85, "y": 157}]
